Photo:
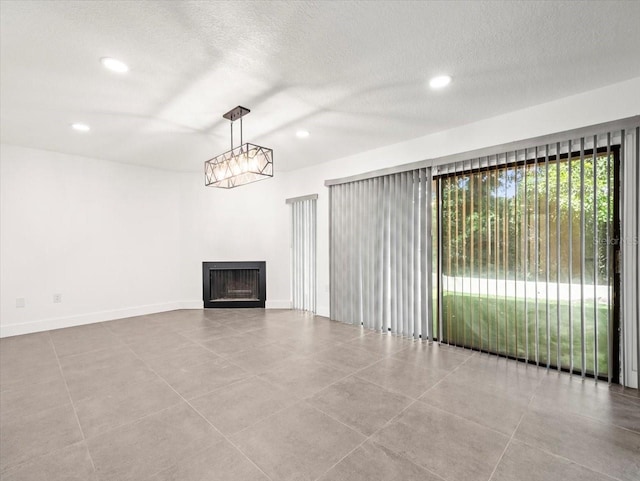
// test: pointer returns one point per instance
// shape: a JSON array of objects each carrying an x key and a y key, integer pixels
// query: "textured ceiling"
[{"x": 352, "y": 73}]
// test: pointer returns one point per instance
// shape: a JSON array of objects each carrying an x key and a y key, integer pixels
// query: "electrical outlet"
[
  {"x": 20, "y": 302},
  {"x": 57, "y": 298}
]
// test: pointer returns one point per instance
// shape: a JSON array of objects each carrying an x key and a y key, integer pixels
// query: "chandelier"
[{"x": 241, "y": 165}]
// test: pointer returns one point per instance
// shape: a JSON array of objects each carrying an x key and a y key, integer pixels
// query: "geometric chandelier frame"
[{"x": 241, "y": 165}]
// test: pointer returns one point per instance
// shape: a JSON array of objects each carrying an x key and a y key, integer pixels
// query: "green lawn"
[{"x": 501, "y": 325}]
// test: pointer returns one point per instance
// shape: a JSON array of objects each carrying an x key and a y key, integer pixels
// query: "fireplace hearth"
[{"x": 234, "y": 284}]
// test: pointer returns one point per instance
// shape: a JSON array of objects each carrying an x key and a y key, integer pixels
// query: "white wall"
[
  {"x": 117, "y": 240},
  {"x": 610, "y": 103},
  {"x": 102, "y": 234},
  {"x": 249, "y": 223}
]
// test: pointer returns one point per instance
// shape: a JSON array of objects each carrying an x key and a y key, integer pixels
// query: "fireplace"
[{"x": 234, "y": 284}]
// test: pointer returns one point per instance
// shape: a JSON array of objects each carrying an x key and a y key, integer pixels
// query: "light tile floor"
[{"x": 282, "y": 395}]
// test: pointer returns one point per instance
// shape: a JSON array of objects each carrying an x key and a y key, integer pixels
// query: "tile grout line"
[
  {"x": 555, "y": 455},
  {"x": 197, "y": 364},
  {"x": 204, "y": 418},
  {"x": 391, "y": 390},
  {"x": 135, "y": 421},
  {"x": 93, "y": 351},
  {"x": 252, "y": 375},
  {"x": 346, "y": 376},
  {"x": 437, "y": 408},
  {"x": 367, "y": 439},
  {"x": 513, "y": 434},
  {"x": 471, "y": 420},
  {"x": 306, "y": 398},
  {"x": 303, "y": 399},
  {"x": 326, "y": 364},
  {"x": 388, "y": 423},
  {"x": 225, "y": 357},
  {"x": 495, "y": 468},
  {"x": 73, "y": 406},
  {"x": 370, "y": 436},
  {"x": 570, "y": 461},
  {"x": 599, "y": 421},
  {"x": 446, "y": 376},
  {"x": 11, "y": 470},
  {"x": 445, "y": 373}
]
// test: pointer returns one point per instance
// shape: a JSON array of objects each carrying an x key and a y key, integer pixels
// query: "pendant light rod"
[{"x": 235, "y": 114}]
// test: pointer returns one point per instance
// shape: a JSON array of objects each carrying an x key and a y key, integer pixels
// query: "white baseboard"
[
  {"x": 191, "y": 305},
  {"x": 278, "y": 304},
  {"x": 101, "y": 316},
  {"x": 89, "y": 318}
]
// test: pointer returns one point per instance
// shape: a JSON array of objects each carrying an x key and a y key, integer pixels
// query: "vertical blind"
[
  {"x": 303, "y": 252},
  {"x": 381, "y": 253},
  {"x": 529, "y": 243},
  {"x": 535, "y": 251},
  {"x": 630, "y": 258}
]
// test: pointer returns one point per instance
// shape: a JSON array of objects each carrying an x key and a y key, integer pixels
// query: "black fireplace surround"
[{"x": 234, "y": 284}]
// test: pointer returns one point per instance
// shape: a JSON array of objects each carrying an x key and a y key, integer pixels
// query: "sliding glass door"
[
  {"x": 519, "y": 253},
  {"x": 528, "y": 249}
]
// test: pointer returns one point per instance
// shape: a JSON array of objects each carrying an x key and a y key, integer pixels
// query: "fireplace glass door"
[{"x": 235, "y": 285}]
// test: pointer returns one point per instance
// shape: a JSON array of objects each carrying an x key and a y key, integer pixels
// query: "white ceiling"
[{"x": 352, "y": 73}]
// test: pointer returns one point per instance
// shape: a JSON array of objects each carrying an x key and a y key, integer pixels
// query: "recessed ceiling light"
[
  {"x": 80, "y": 127},
  {"x": 302, "y": 134},
  {"x": 439, "y": 82},
  {"x": 114, "y": 65}
]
